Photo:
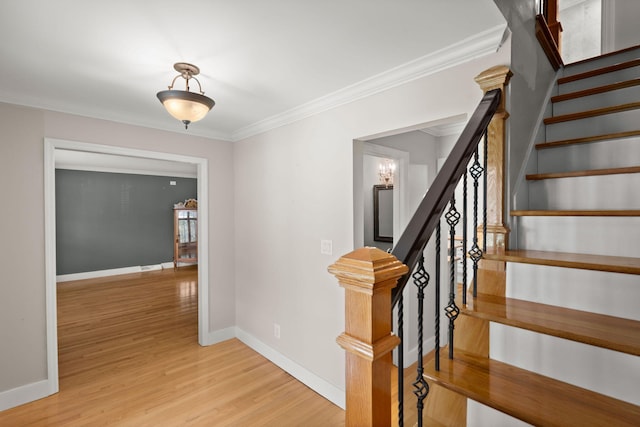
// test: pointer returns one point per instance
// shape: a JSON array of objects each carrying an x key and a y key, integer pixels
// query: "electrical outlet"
[{"x": 276, "y": 330}]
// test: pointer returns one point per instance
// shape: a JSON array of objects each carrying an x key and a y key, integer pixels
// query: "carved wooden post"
[
  {"x": 497, "y": 231},
  {"x": 368, "y": 275}
]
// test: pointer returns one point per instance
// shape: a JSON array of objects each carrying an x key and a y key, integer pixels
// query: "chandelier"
[
  {"x": 386, "y": 171},
  {"x": 184, "y": 105}
]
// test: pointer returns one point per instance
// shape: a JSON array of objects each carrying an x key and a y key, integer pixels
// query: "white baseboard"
[
  {"x": 311, "y": 380},
  {"x": 219, "y": 336},
  {"x": 24, "y": 394},
  {"x": 111, "y": 272}
]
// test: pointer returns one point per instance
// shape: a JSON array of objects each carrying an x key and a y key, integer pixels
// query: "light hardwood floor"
[{"x": 129, "y": 356}]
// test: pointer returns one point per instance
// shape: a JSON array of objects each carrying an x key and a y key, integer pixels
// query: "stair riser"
[
  {"x": 598, "y": 125},
  {"x": 612, "y": 294},
  {"x": 617, "y": 153},
  {"x": 599, "y": 80},
  {"x": 589, "y": 235},
  {"x": 606, "y": 61},
  {"x": 479, "y": 415},
  {"x": 604, "y": 192},
  {"x": 617, "y": 374},
  {"x": 601, "y": 100}
]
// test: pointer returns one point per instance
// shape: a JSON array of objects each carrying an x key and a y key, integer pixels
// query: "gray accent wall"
[{"x": 114, "y": 220}]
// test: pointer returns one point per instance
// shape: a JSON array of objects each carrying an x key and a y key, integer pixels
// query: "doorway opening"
[
  {"x": 416, "y": 151},
  {"x": 54, "y": 148}
]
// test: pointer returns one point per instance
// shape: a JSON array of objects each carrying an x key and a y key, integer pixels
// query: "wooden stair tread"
[
  {"x": 600, "y": 330},
  {"x": 614, "y": 264},
  {"x": 628, "y": 212},
  {"x": 532, "y": 398},
  {"x": 596, "y": 90},
  {"x": 592, "y": 113},
  {"x": 592, "y": 172},
  {"x": 599, "y": 71},
  {"x": 604, "y": 137}
]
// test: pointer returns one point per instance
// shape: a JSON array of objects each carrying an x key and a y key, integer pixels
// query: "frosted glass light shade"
[{"x": 186, "y": 106}]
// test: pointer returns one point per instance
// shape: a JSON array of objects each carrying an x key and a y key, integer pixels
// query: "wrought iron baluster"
[
  {"x": 475, "y": 253},
  {"x": 400, "y": 334},
  {"x": 421, "y": 388},
  {"x": 464, "y": 239},
  {"x": 437, "y": 319},
  {"x": 484, "y": 205},
  {"x": 453, "y": 217}
]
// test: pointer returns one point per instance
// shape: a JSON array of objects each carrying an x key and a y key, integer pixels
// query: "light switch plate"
[{"x": 326, "y": 247}]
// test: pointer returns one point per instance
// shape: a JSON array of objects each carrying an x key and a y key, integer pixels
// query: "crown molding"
[
  {"x": 481, "y": 44},
  {"x": 445, "y": 129}
]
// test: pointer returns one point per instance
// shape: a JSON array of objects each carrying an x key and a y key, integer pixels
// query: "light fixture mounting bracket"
[{"x": 185, "y": 68}]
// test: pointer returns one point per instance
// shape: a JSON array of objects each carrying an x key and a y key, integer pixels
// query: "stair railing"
[{"x": 374, "y": 280}]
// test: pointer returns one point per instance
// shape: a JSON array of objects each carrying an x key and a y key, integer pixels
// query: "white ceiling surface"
[{"x": 265, "y": 63}]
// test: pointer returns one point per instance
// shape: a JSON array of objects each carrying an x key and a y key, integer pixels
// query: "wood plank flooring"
[{"x": 129, "y": 356}]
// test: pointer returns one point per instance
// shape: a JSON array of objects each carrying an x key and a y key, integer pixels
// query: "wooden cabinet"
[{"x": 185, "y": 244}]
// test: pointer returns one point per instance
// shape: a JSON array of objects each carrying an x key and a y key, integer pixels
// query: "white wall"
[
  {"x": 23, "y": 358},
  {"x": 294, "y": 187},
  {"x": 581, "y": 29},
  {"x": 625, "y": 28}
]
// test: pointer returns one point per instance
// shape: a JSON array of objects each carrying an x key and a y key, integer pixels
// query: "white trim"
[
  {"x": 50, "y": 146},
  {"x": 476, "y": 46},
  {"x": 51, "y": 311},
  {"x": 308, "y": 378},
  {"x": 125, "y": 171},
  {"x": 110, "y": 272},
  {"x": 24, "y": 394},
  {"x": 214, "y": 337},
  {"x": 203, "y": 250},
  {"x": 446, "y": 129}
]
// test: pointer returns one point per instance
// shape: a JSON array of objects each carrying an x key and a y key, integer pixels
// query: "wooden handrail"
[
  {"x": 370, "y": 275},
  {"x": 421, "y": 226}
]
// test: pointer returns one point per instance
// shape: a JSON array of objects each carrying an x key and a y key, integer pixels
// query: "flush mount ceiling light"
[{"x": 184, "y": 105}]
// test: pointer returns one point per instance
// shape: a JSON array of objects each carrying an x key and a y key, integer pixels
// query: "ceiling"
[{"x": 265, "y": 63}]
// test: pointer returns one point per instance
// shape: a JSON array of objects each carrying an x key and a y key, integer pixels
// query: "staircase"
[{"x": 553, "y": 337}]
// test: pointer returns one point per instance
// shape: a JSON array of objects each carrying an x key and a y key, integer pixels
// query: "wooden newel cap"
[
  {"x": 494, "y": 78},
  {"x": 367, "y": 267}
]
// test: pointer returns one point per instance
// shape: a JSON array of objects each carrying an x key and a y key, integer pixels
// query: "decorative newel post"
[
  {"x": 368, "y": 275},
  {"x": 497, "y": 231}
]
